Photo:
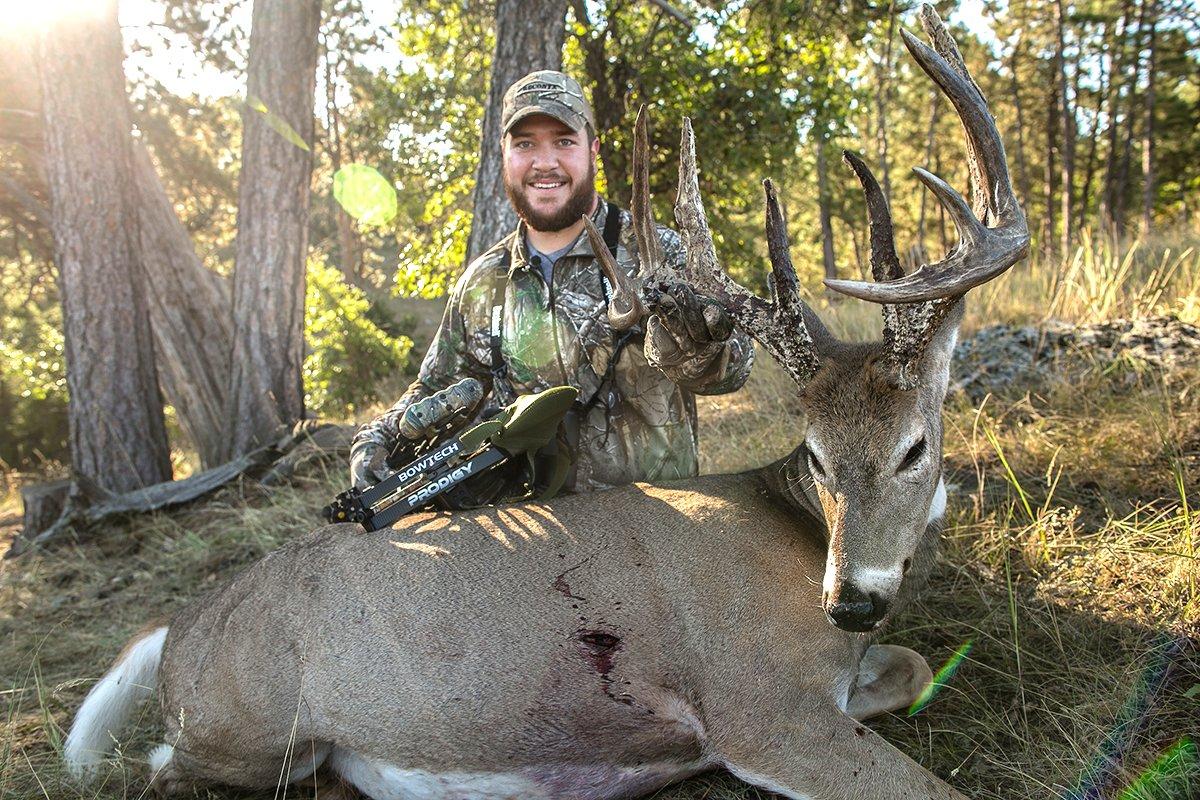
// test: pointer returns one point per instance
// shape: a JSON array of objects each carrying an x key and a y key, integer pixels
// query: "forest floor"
[{"x": 1064, "y": 602}]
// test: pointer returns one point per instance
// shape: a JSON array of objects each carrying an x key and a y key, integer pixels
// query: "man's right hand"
[{"x": 368, "y": 456}]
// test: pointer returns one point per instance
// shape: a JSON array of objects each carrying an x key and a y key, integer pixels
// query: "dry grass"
[{"x": 1069, "y": 564}]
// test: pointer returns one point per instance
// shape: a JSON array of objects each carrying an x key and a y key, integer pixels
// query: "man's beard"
[{"x": 577, "y": 205}]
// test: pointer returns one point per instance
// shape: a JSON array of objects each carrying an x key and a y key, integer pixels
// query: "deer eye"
[
  {"x": 814, "y": 465},
  {"x": 913, "y": 455}
]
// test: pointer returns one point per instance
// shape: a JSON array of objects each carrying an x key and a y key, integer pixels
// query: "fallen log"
[{"x": 86, "y": 504}]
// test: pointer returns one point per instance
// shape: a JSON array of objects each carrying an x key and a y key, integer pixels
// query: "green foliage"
[
  {"x": 349, "y": 357},
  {"x": 33, "y": 384}
]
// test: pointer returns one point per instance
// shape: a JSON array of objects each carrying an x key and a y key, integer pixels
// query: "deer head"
[{"x": 871, "y": 460}]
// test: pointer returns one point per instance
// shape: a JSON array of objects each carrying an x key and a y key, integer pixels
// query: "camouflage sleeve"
[
  {"x": 448, "y": 360},
  {"x": 724, "y": 371}
]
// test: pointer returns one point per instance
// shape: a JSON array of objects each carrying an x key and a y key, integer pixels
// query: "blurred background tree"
[{"x": 1099, "y": 102}]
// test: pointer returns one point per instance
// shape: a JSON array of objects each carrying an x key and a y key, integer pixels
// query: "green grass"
[{"x": 1069, "y": 563}]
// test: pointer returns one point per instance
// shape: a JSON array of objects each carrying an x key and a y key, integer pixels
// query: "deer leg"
[
  {"x": 890, "y": 677},
  {"x": 829, "y": 756}
]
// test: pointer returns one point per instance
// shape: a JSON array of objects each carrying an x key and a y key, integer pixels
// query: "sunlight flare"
[
  {"x": 941, "y": 678},
  {"x": 23, "y": 15}
]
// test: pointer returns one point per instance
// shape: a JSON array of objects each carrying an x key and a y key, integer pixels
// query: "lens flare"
[
  {"x": 365, "y": 194},
  {"x": 941, "y": 678},
  {"x": 1176, "y": 773},
  {"x": 277, "y": 123},
  {"x": 25, "y": 16},
  {"x": 1098, "y": 779}
]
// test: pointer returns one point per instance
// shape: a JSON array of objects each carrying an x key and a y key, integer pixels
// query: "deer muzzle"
[{"x": 853, "y": 609}]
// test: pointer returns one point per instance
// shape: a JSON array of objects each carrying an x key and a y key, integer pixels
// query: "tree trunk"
[
  {"x": 882, "y": 75},
  {"x": 1121, "y": 181},
  {"x": 1108, "y": 214},
  {"x": 611, "y": 77},
  {"x": 828, "y": 256},
  {"x": 529, "y": 37},
  {"x": 1022, "y": 162},
  {"x": 1148, "y": 177},
  {"x": 1083, "y": 199},
  {"x": 349, "y": 248},
  {"x": 1067, "y": 134},
  {"x": 920, "y": 255},
  {"x": 118, "y": 437},
  {"x": 1051, "y": 174},
  {"x": 189, "y": 315},
  {"x": 265, "y": 388}
]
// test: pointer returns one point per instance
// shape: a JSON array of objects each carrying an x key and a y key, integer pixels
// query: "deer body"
[{"x": 523, "y": 651}]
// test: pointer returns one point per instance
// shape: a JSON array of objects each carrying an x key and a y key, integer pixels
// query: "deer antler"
[
  {"x": 626, "y": 308},
  {"x": 982, "y": 252},
  {"x": 778, "y": 324}
]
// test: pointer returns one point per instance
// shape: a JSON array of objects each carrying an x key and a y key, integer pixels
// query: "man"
[{"x": 635, "y": 418}]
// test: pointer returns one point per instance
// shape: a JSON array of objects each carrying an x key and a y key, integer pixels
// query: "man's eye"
[{"x": 566, "y": 142}]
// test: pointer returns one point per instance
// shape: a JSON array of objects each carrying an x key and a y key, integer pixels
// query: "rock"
[{"x": 1000, "y": 356}]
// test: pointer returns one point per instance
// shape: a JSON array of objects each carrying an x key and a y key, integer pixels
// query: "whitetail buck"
[{"x": 604, "y": 645}]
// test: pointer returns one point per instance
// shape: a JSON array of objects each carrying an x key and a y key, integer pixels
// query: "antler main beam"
[
  {"x": 982, "y": 252},
  {"x": 777, "y": 325}
]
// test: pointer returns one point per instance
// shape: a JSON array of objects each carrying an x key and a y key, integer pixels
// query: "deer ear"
[{"x": 939, "y": 353}]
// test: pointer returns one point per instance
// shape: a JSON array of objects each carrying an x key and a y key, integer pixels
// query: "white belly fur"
[{"x": 382, "y": 781}]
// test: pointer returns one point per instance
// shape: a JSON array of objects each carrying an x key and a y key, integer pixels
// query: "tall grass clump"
[{"x": 1104, "y": 278}]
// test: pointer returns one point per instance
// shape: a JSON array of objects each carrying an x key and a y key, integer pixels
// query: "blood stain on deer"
[
  {"x": 599, "y": 649},
  {"x": 561, "y": 586}
]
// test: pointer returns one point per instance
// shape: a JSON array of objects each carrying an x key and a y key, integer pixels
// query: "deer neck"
[{"x": 786, "y": 482}]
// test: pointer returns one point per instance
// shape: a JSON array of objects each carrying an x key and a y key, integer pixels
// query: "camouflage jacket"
[{"x": 642, "y": 425}]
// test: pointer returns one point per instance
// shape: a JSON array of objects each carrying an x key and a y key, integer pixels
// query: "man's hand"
[
  {"x": 368, "y": 454},
  {"x": 686, "y": 333}
]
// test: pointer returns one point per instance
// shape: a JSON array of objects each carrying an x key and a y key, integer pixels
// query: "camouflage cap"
[{"x": 547, "y": 92}]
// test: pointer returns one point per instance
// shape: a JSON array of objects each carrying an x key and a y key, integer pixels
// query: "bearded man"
[{"x": 530, "y": 313}]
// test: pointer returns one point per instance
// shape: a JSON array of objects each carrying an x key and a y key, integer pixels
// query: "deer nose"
[{"x": 851, "y": 609}]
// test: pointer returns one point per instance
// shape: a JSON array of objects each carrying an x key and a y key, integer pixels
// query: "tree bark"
[
  {"x": 189, "y": 315},
  {"x": 117, "y": 433},
  {"x": 529, "y": 37},
  {"x": 1148, "y": 176},
  {"x": 266, "y": 389}
]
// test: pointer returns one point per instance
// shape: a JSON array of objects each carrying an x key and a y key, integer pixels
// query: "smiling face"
[{"x": 549, "y": 172}]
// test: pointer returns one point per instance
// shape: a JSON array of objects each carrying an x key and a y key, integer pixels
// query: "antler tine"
[
  {"x": 650, "y": 254},
  {"x": 785, "y": 288},
  {"x": 983, "y": 252},
  {"x": 625, "y": 309},
  {"x": 779, "y": 327},
  {"x": 885, "y": 264}
]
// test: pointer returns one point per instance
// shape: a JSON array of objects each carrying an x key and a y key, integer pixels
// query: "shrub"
[{"x": 349, "y": 357}]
